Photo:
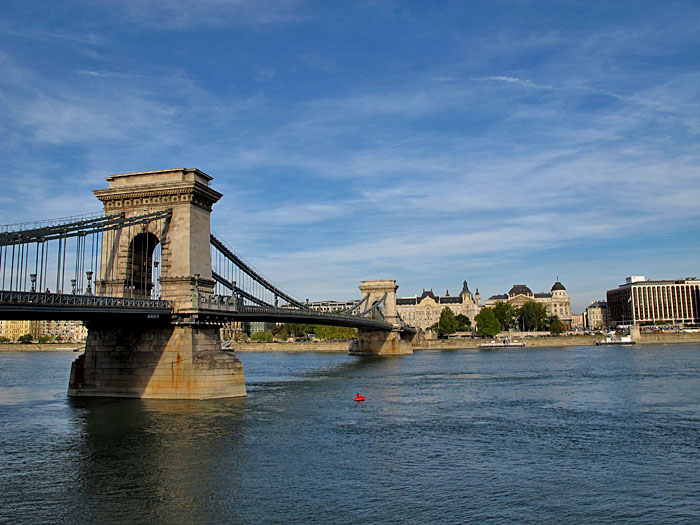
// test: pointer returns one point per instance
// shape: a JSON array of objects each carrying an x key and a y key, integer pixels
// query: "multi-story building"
[
  {"x": 423, "y": 311},
  {"x": 62, "y": 331},
  {"x": 556, "y": 300},
  {"x": 13, "y": 330},
  {"x": 642, "y": 302},
  {"x": 331, "y": 306},
  {"x": 596, "y": 316},
  {"x": 577, "y": 321}
]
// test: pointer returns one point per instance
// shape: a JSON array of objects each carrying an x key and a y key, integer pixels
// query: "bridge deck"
[{"x": 50, "y": 306}]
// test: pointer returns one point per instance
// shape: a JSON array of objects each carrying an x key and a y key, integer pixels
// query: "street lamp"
[
  {"x": 72, "y": 283},
  {"x": 89, "y": 287},
  {"x": 32, "y": 276}
]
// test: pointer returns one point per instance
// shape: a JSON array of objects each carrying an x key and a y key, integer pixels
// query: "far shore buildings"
[
  {"x": 423, "y": 311},
  {"x": 556, "y": 300},
  {"x": 596, "y": 316},
  {"x": 641, "y": 302},
  {"x": 59, "y": 331}
]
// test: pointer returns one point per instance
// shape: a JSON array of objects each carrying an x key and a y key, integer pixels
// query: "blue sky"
[{"x": 427, "y": 142}]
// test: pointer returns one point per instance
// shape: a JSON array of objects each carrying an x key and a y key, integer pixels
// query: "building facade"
[
  {"x": 423, "y": 311},
  {"x": 556, "y": 301},
  {"x": 642, "y": 302},
  {"x": 13, "y": 330},
  {"x": 596, "y": 316},
  {"x": 59, "y": 331},
  {"x": 577, "y": 321},
  {"x": 331, "y": 306}
]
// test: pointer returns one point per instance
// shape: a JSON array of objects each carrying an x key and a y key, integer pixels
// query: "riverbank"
[
  {"x": 343, "y": 346},
  {"x": 457, "y": 344},
  {"x": 40, "y": 347},
  {"x": 322, "y": 347}
]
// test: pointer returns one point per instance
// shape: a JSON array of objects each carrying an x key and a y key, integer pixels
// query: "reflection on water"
[{"x": 542, "y": 435}]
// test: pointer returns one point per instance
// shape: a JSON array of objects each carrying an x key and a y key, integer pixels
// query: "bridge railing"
[{"x": 43, "y": 298}]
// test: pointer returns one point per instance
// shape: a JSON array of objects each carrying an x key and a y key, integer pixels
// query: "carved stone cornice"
[{"x": 169, "y": 194}]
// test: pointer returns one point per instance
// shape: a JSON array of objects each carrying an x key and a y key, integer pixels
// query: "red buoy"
[{"x": 359, "y": 398}]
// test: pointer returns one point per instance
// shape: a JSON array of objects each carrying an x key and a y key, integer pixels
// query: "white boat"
[
  {"x": 504, "y": 343},
  {"x": 612, "y": 339}
]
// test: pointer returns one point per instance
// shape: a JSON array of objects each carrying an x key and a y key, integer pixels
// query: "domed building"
[
  {"x": 556, "y": 300},
  {"x": 423, "y": 311}
]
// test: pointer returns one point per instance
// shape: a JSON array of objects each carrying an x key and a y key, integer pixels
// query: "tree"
[
  {"x": 486, "y": 323},
  {"x": 262, "y": 337},
  {"x": 533, "y": 316},
  {"x": 448, "y": 322},
  {"x": 556, "y": 326},
  {"x": 464, "y": 324},
  {"x": 334, "y": 332},
  {"x": 240, "y": 337},
  {"x": 505, "y": 313},
  {"x": 4, "y": 339},
  {"x": 26, "y": 338}
]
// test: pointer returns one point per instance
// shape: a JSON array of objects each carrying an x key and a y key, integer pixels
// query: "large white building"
[
  {"x": 424, "y": 311},
  {"x": 642, "y": 302}
]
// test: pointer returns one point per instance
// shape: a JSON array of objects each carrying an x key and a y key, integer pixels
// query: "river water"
[{"x": 551, "y": 435}]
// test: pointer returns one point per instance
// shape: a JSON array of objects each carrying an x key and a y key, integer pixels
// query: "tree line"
[
  {"x": 286, "y": 331},
  {"x": 530, "y": 317}
]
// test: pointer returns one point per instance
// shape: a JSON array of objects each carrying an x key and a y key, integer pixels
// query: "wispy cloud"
[{"x": 489, "y": 147}]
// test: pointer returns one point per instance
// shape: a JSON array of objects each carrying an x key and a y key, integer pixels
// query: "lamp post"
[
  {"x": 72, "y": 283},
  {"x": 32, "y": 276},
  {"x": 89, "y": 284}
]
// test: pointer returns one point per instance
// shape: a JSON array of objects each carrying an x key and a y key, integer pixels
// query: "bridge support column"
[
  {"x": 381, "y": 343},
  {"x": 159, "y": 362}
]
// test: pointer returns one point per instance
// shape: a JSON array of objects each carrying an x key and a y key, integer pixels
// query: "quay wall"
[
  {"x": 344, "y": 347},
  {"x": 455, "y": 344},
  {"x": 41, "y": 347},
  {"x": 333, "y": 347}
]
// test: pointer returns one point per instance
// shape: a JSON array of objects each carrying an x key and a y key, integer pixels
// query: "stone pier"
[{"x": 162, "y": 362}]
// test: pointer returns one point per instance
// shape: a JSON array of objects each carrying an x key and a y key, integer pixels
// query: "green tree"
[
  {"x": 4, "y": 339},
  {"x": 556, "y": 326},
  {"x": 240, "y": 337},
  {"x": 262, "y": 337},
  {"x": 334, "y": 332},
  {"x": 486, "y": 323},
  {"x": 464, "y": 324},
  {"x": 26, "y": 338},
  {"x": 533, "y": 316},
  {"x": 447, "y": 323},
  {"x": 505, "y": 313}
]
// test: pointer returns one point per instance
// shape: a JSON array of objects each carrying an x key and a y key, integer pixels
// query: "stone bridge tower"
[
  {"x": 179, "y": 358},
  {"x": 127, "y": 255},
  {"x": 383, "y": 343}
]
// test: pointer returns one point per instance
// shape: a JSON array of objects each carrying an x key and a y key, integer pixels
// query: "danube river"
[{"x": 556, "y": 435}]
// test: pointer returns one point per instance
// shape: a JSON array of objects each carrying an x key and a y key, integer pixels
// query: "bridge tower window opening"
[{"x": 143, "y": 265}]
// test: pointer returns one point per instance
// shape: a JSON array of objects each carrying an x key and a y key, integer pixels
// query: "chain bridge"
[{"x": 153, "y": 285}]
